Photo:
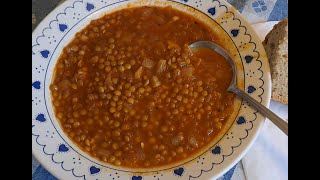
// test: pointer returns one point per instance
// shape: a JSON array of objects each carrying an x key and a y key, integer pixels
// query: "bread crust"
[{"x": 276, "y": 46}]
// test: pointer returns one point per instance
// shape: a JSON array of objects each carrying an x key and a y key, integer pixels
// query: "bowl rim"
[{"x": 235, "y": 160}]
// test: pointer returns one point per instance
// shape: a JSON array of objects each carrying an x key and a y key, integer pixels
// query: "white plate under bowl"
[{"x": 54, "y": 150}]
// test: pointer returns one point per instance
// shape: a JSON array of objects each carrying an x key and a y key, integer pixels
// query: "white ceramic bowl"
[{"x": 65, "y": 160}]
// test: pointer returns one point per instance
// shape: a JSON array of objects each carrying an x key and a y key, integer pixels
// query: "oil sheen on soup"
[{"x": 128, "y": 91}]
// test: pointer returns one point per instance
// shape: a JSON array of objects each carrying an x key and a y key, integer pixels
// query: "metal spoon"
[{"x": 283, "y": 125}]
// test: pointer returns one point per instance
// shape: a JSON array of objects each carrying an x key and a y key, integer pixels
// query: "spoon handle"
[{"x": 283, "y": 125}]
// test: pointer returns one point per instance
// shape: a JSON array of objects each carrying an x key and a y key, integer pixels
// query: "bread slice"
[{"x": 276, "y": 46}]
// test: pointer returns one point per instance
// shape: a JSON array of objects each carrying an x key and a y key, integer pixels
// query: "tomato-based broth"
[{"x": 129, "y": 92}]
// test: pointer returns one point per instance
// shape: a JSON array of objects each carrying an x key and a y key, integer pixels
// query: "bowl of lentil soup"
[{"x": 124, "y": 97}]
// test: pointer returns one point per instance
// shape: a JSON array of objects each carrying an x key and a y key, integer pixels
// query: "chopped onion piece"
[
  {"x": 138, "y": 73},
  {"x": 177, "y": 140},
  {"x": 161, "y": 66},
  {"x": 155, "y": 81},
  {"x": 148, "y": 63},
  {"x": 193, "y": 142}
]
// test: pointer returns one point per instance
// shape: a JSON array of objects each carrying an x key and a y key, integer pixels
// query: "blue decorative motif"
[
  {"x": 45, "y": 53},
  {"x": 63, "y": 148},
  {"x": 241, "y": 120},
  {"x": 185, "y": 0},
  {"x": 212, "y": 11},
  {"x": 89, "y": 6},
  {"x": 235, "y": 32},
  {"x": 62, "y": 27},
  {"x": 94, "y": 170},
  {"x": 248, "y": 59},
  {"x": 57, "y": 162},
  {"x": 251, "y": 89},
  {"x": 216, "y": 150},
  {"x": 179, "y": 171},
  {"x": 41, "y": 118},
  {"x": 136, "y": 178},
  {"x": 50, "y": 26},
  {"x": 36, "y": 84},
  {"x": 259, "y": 6}
]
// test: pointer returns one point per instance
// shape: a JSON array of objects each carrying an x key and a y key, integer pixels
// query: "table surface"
[{"x": 255, "y": 11}]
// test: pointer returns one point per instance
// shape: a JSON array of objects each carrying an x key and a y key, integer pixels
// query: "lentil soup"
[{"x": 128, "y": 91}]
